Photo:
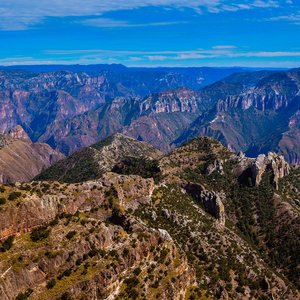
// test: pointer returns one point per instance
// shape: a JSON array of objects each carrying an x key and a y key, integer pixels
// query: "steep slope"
[
  {"x": 37, "y": 100},
  {"x": 20, "y": 159},
  {"x": 256, "y": 120},
  {"x": 84, "y": 244},
  {"x": 92, "y": 162},
  {"x": 157, "y": 119},
  {"x": 207, "y": 224}
]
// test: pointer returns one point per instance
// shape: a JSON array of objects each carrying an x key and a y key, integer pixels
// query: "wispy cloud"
[
  {"x": 111, "y": 23},
  {"x": 20, "y": 14},
  {"x": 229, "y": 51},
  {"x": 224, "y": 47},
  {"x": 293, "y": 18}
]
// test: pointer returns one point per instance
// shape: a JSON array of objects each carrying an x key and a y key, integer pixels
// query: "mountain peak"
[
  {"x": 92, "y": 162},
  {"x": 18, "y": 133}
]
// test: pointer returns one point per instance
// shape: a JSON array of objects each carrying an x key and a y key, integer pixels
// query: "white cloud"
[
  {"x": 220, "y": 52},
  {"x": 224, "y": 47},
  {"x": 292, "y": 18},
  {"x": 157, "y": 57},
  {"x": 19, "y": 14},
  {"x": 111, "y": 23}
]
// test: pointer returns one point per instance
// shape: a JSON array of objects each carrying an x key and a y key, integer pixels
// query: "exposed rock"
[
  {"x": 214, "y": 205},
  {"x": 217, "y": 166},
  {"x": 36, "y": 211},
  {"x": 18, "y": 133},
  {"x": 211, "y": 201},
  {"x": 276, "y": 163}
]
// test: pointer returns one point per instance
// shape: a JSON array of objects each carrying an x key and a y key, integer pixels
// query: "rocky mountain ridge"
[
  {"x": 198, "y": 223},
  {"x": 92, "y": 162}
]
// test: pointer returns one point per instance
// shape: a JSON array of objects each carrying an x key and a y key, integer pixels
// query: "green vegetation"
[
  {"x": 14, "y": 196},
  {"x": 71, "y": 234},
  {"x": 25, "y": 295},
  {"x": 7, "y": 244},
  {"x": 40, "y": 234},
  {"x": 78, "y": 167},
  {"x": 51, "y": 283},
  {"x": 138, "y": 166}
]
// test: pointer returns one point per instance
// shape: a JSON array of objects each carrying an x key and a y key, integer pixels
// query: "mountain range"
[{"x": 250, "y": 111}]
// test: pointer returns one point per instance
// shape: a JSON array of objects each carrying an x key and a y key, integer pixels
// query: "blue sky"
[{"x": 151, "y": 32}]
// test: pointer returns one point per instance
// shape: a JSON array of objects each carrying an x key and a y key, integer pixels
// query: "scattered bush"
[
  {"x": 71, "y": 234},
  {"x": 66, "y": 296},
  {"x": 51, "y": 283},
  {"x": 7, "y": 244},
  {"x": 2, "y": 201},
  {"x": 14, "y": 196},
  {"x": 40, "y": 234}
]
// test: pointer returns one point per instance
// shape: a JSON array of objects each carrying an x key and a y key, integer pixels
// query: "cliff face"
[
  {"x": 70, "y": 110},
  {"x": 254, "y": 169},
  {"x": 21, "y": 160},
  {"x": 254, "y": 117}
]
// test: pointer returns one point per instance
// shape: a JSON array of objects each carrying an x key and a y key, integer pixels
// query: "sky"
[{"x": 252, "y": 33}]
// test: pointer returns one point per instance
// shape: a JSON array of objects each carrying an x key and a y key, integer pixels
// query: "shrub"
[
  {"x": 40, "y": 234},
  {"x": 66, "y": 296},
  {"x": 24, "y": 296},
  {"x": 51, "y": 283},
  {"x": 7, "y": 244},
  {"x": 70, "y": 234},
  {"x": 137, "y": 271},
  {"x": 2, "y": 201},
  {"x": 14, "y": 196}
]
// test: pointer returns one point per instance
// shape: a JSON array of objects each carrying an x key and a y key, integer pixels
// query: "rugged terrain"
[
  {"x": 94, "y": 161},
  {"x": 254, "y": 112},
  {"x": 258, "y": 117},
  {"x": 20, "y": 159},
  {"x": 50, "y": 106},
  {"x": 198, "y": 223}
]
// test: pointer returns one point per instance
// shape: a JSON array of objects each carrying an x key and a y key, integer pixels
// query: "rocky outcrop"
[
  {"x": 216, "y": 166},
  {"x": 211, "y": 201},
  {"x": 36, "y": 211},
  {"x": 108, "y": 253},
  {"x": 276, "y": 163},
  {"x": 18, "y": 133},
  {"x": 182, "y": 100}
]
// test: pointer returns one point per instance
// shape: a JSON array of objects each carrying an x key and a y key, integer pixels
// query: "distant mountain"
[
  {"x": 38, "y": 100},
  {"x": 254, "y": 112},
  {"x": 257, "y": 117},
  {"x": 20, "y": 159}
]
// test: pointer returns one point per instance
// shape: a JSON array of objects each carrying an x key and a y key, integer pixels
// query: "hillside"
[
  {"x": 205, "y": 223},
  {"x": 22, "y": 160},
  {"x": 92, "y": 162}
]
